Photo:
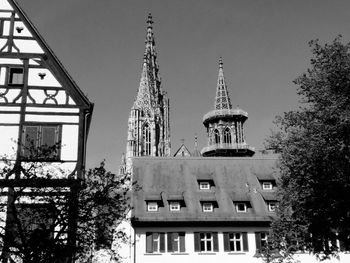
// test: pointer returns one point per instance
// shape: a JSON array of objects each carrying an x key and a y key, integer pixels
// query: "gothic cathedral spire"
[
  {"x": 225, "y": 125},
  {"x": 148, "y": 126}
]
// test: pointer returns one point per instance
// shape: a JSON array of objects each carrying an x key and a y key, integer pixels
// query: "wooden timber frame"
[{"x": 75, "y": 99}]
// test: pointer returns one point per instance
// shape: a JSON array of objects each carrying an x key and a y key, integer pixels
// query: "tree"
[
  {"x": 314, "y": 143},
  {"x": 36, "y": 212}
]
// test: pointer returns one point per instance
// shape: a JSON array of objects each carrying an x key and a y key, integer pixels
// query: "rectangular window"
[
  {"x": 207, "y": 207},
  {"x": 155, "y": 242},
  {"x": 235, "y": 242},
  {"x": 204, "y": 185},
  {"x": 15, "y": 76},
  {"x": 272, "y": 206},
  {"x": 152, "y": 206},
  {"x": 241, "y": 207},
  {"x": 176, "y": 242},
  {"x": 206, "y": 242},
  {"x": 267, "y": 186},
  {"x": 261, "y": 241},
  {"x": 174, "y": 206},
  {"x": 41, "y": 141}
]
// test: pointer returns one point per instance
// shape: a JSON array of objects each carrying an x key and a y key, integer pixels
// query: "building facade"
[
  {"x": 213, "y": 205},
  {"x": 44, "y": 118}
]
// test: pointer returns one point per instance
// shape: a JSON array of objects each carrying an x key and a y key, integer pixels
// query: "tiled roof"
[{"x": 235, "y": 179}]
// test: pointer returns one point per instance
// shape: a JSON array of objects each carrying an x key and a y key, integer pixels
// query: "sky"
[{"x": 264, "y": 46}]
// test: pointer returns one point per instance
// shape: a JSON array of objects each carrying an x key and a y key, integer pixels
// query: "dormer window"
[
  {"x": 174, "y": 206},
  {"x": 271, "y": 206},
  {"x": 15, "y": 76},
  {"x": 207, "y": 207},
  {"x": 241, "y": 207},
  {"x": 204, "y": 185},
  {"x": 267, "y": 185},
  {"x": 152, "y": 206}
]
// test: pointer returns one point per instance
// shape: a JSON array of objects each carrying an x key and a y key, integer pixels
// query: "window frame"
[
  {"x": 237, "y": 205},
  {"x": 155, "y": 242},
  {"x": 151, "y": 204},
  {"x": 271, "y": 206},
  {"x": 146, "y": 140},
  {"x": 209, "y": 205},
  {"x": 206, "y": 238},
  {"x": 198, "y": 242},
  {"x": 39, "y": 143},
  {"x": 227, "y": 136},
  {"x": 10, "y": 76},
  {"x": 216, "y": 136},
  {"x": 176, "y": 242},
  {"x": 265, "y": 183},
  {"x": 173, "y": 203},
  {"x": 204, "y": 183},
  {"x": 231, "y": 241}
]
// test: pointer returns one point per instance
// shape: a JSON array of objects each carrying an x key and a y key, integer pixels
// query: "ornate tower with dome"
[
  {"x": 225, "y": 125},
  {"x": 148, "y": 125}
]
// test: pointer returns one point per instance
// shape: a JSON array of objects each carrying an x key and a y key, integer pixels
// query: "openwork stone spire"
[
  {"x": 225, "y": 125},
  {"x": 148, "y": 125},
  {"x": 222, "y": 99}
]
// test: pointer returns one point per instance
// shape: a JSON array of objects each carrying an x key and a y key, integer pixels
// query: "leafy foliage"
[
  {"x": 45, "y": 208},
  {"x": 314, "y": 143}
]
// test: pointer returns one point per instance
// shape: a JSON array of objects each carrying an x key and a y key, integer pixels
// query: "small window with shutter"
[
  {"x": 206, "y": 242},
  {"x": 261, "y": 241},
  {"x": 155, "y": 242},
  {"x": 41, "y": 142},
  {"x": 176, "y": 242},
  {"x": 235, "y": 242}
]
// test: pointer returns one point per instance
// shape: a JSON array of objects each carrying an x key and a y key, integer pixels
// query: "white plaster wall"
[
  {"x": 51, "y": 118},
  {"x": 9, "y": 118},
  {"x": 48, "y": 81},
  {"x": 69, "y": 149},
  {"x": 27, "y": 46},
  {"x": 24, "y": 32},
  {"x": 5, "y": 5},
  {"x": 199, "y": 257},
  {"x": 8, "y": 145}
]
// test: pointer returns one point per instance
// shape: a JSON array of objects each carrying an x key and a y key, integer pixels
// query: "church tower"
[
  {"x": 148, "y": 125},
  {"x": 225, "y": 125}
]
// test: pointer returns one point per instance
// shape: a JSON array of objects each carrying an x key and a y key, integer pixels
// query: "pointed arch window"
[
  {"x": 146, "y": 140},
  {"x": 227, "y": 136},
  {"x": 216, "y": 136}
]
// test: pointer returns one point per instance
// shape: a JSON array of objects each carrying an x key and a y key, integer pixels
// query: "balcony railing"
[
  {"x": 227, "y": 146},
  {"x": 224, "y": 113}
]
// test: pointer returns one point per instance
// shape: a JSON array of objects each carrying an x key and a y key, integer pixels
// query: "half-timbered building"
[{"x": 41, "y": 107}]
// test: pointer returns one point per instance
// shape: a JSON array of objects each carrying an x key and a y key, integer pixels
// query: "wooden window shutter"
[
  {"x": 30, "y": 140},
  {"x": 245, "y": 241},
  {"x": 216, "y": 243},
  {"x": 170, "y": 241},
  {"x": 226, "y": 242},
  {"x": 258, "y": 241},
  {"x": 48, "y": 135},
  {"x": 182, "y": 242},
  {"x": 149, "y": 242},
  {"x": 162, "y": 242},
  {"x": 197, "y": 242},
  {"x": 30, "y": 135}
]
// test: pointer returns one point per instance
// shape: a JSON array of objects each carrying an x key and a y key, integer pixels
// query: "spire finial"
[
  {"x": 221, "y": 64},
  {"x": 182, "y": 141},
  {"x": 222, "y": 99},
  {"x": 149, "y": 20},
  {"x": 195, "y": 141}
]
